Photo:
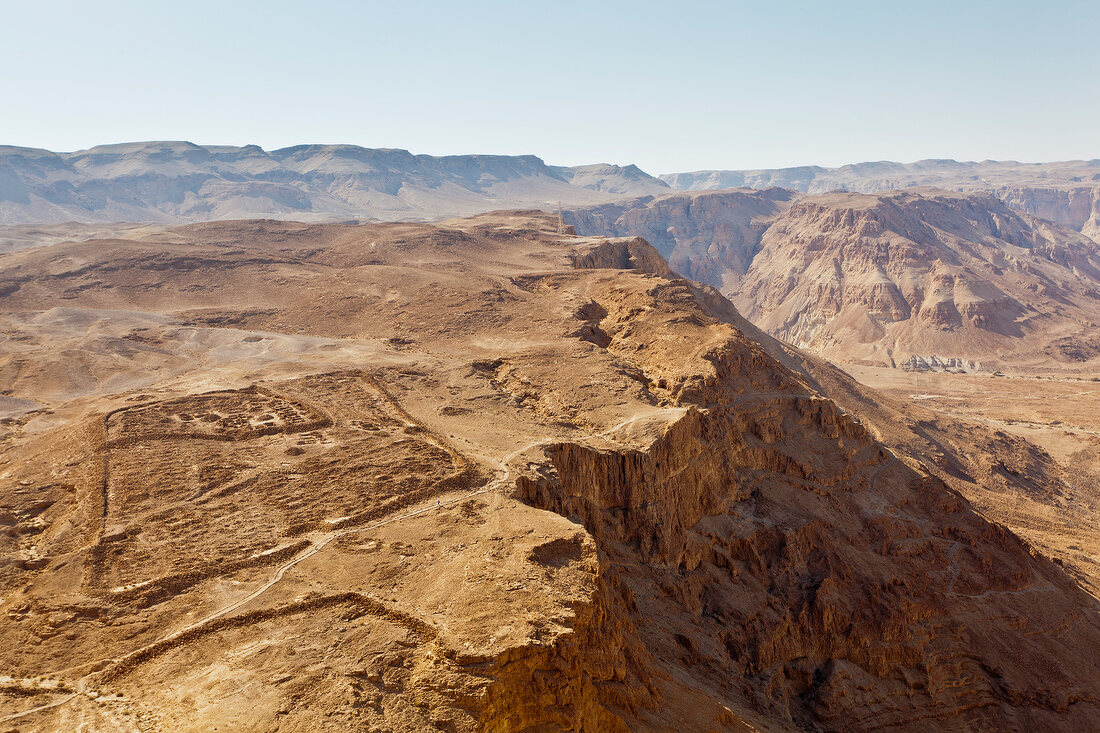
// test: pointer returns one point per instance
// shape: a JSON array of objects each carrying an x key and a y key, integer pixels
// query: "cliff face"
[
  {"x": 782, "y": 556},
  {"x": 1073, "y": 206},
  {"x": 628, "y": 253},
  {"x": 917, "y": 278},
  {"x": 479, "y": 476},
  {"x": 893, "y": 277},
  {"x": 709, "y": 237},
  {"x": 794, "y": 612}
]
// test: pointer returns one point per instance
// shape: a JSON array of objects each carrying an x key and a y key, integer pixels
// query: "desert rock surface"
[
  {"x": 905, "y": 276},
  {"x": 479, "y": 476},
  {"x": 919, "y": 279},
  {"x": 710, "y": 236},
  {"x": 1025, "y": 449}
]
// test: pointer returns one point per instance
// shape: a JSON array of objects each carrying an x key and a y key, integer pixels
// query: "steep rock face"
[
  {"x": 884, "y": 278},
  {"x": 600, "y": 677},
  {"x": 303, "y": 514},
  {"x": 1075, "y": 207},
  {"x": 817, "y": 580},
  {"x": 709, "y": 237},
  {"x": 627, "y": 253},
  {"x": 1010, "y": 479},
  {"x": 918, "y": 273}
]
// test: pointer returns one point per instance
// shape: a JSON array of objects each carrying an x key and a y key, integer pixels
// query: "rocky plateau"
[{"x": 483, "y": 475}]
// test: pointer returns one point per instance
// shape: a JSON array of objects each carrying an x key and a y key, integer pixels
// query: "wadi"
[{"x": 506, "y": 473}]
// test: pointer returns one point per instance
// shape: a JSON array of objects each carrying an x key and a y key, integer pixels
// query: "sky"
[{"x": 668, "y": 86}]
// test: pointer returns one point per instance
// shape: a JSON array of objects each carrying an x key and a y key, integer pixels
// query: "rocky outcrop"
[
  {"x": 627, "y": 253},
  {"x": 1073, "y": 206},
  {"x": 933, "y": 362},
  {"x": 818, "y": 581},
  {"x": 600, "y": 677},
  {"x": 881, "y": 278}
]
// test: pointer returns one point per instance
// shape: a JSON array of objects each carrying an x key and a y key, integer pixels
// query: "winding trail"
[{"x": 50, "y": 706}]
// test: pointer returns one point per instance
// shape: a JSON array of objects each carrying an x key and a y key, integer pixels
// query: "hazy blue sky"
[{"x": 669, "y": 86}]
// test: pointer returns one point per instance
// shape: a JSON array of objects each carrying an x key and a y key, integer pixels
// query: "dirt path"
[
  {"x": 319, "y": 544},
  {"x": 50, "y": 706}
]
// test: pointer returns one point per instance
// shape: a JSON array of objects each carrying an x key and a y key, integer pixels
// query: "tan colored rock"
[{"x": 534, "y": 491}]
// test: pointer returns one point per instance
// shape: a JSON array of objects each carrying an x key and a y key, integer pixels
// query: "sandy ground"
[
  {"x": 1051, "y": 499},
  {"x": 1059, "y": 412}
]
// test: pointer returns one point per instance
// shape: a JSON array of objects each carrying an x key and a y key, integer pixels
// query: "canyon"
[
  {"x": 767, "y": 457},
  {"x": 917, "y": 278},
  {"x": 486, "y": 474}
]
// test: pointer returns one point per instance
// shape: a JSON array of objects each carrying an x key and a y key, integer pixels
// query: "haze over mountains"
[
  {"x": 180, "y": 182},
  {"x": 1067, "y": 192},
  {"x": 925, "y": 278}
]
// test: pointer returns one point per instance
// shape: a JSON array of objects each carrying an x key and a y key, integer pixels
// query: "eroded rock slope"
[
  {"x": 478, "y": 476},
  {"x": 917, "y": 278}
]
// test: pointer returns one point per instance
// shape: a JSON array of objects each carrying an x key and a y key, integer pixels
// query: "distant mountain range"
[
  {"x": 1067, "y": 193},
  {"x": 959, "y": 267},
  {"x": 179, "y": 182},
  {"x": 883, "y": 175}
]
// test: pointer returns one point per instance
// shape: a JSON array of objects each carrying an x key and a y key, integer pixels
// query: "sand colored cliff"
[{"x": 479, "y": 476}]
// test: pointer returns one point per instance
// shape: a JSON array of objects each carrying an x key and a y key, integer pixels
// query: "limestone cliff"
[
  {"x": 711, "y": 237},
  {"x": 923, "y": 274},
  {"x": 1063, "y": 192},
  {"x": 794, "y": 567},
  {"x": 916, "y": 278},
  {"x": 1073, "y": 206},
  {"x": 477, "y": 476}
]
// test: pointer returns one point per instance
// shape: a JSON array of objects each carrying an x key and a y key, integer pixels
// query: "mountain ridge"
[
  {"x": 869, "y": 176},
  {"x": 918, "y": 276},
  {"x": 178, "y": 182},
  {"x": 1065, "y": 192},
  {"x": 485, "y": 475}
]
